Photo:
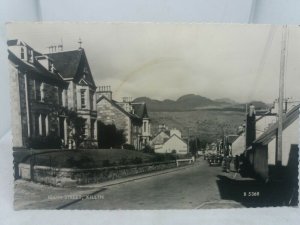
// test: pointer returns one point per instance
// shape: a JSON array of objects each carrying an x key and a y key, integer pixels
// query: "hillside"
[
  {"x": 184, "y": 103},
  {"x": 191, "y": 102},
  {"x": 207, "y": 119},
  {"x": 205, "y": 124}
]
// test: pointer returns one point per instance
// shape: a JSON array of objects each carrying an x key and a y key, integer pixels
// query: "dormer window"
[
  {"x": 51, "y": 67},
  {"x": 30, "y": 56},
  {"x": 22, "y": 53}
]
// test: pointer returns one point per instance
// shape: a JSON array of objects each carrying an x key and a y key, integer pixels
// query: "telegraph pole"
[{"x": 281, "y": 95}]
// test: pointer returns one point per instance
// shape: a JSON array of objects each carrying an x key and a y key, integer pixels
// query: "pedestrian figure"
[{"x": 237, "y": 163}]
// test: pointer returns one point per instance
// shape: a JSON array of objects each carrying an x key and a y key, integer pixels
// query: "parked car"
[
  {"x": 215, "y": 160},
  {"x": 209, "y": 153}
]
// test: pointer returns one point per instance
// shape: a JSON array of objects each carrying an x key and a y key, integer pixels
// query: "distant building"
[
  {"x": 239, "y": 145},
  {"x": 159, "y": 140},
  {"x": 173, "y": 143},
  {"x": 129, "y": 116}
]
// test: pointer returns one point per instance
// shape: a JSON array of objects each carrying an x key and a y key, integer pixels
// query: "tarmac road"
[
  {"x": 195, "y": 186},
  {"x": 189, "y": 188}
]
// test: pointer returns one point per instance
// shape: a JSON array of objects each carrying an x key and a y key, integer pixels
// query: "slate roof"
[
  {"x": 35, "y": 69},
  {"x": 70, "y": 64},
  {"x": 231, "y": 138},
  {"x": 160, "y": 138},
  {"x": 289, "y": 118},
  {"x": 13, "y": 42},
  {"x": 140, "y": 110},
  {"x": 67, "y": 62}
]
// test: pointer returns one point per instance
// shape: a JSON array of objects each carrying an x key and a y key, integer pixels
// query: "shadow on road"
[{"x": 254, "y": 193}]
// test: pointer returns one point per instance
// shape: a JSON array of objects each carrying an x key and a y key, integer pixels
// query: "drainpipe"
[{"x": 27, "y": 105}]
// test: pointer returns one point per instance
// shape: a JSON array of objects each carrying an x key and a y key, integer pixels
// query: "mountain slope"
[
  {"x": 196, "y": 102},
  {"x": 184, "y": 103}
]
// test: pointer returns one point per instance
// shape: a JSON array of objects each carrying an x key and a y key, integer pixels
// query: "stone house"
[
  {"x": 80, "y": 93},
  {"x": 43, "y": 83},
  {"x": 131, "y": 117}
]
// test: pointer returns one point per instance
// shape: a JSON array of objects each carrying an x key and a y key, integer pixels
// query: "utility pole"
[
  {"x": 281, "y": 95},
  {"x": 188, "y": 140},
  {"x": 246, "y": 126}
]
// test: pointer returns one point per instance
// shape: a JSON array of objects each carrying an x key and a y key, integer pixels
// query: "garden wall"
[{"x": 67, "y": 177}]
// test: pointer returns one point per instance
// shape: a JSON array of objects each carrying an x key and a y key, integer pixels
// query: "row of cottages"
[
  {"x": 44, "y": 84},
  {"x": 131, "y": 117},
  {"x": 258, "y": 141},
  {"x": 169, "y": 142},
  {"x": 264, "y": 157}
]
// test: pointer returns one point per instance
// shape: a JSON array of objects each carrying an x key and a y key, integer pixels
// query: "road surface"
[{"x": 189, "y": 188}]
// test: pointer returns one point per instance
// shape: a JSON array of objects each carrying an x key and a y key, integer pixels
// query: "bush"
[
  {"x": 137, "y": 160},
  {"x": 44, "y": 142},
  {"x": 110, "y": 136},
  {"x": 148, "y": 149},
  {"x": 163, "y": 157},
  {"x": 83, "y": 162},
  {"x": 106, "y": 163},
  {"x": 88, "y": 144},
  {"x": 128, "y": 147},
  {"x": 124, "y": 161}
]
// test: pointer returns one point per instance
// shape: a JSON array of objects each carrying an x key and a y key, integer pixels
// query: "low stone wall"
[{"x": 67, "y": 177}]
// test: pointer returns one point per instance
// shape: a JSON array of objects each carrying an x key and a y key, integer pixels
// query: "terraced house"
[
  {"x": 131, "y": 117},
  {"x": 41, "y": 84}
]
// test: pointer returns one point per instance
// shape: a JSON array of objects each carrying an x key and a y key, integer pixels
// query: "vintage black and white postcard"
[{"x": 154, "y": 116}]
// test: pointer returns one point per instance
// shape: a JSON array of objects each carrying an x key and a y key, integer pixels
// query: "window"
[
  {"x": 36, "y": 124},
  {"x": 82, "y": 98},
  {"x": 22, "y": 53},
  {"x": 43, "y": 125},
  {"x": 60, "y": 96},
  {"x": 92, "y": 129},
  {"x": 145, "y": 126},
  {"x": 92, "y": 100},
  {"x": 51, "y": 67},
  {"x": 39, "y": 91}
]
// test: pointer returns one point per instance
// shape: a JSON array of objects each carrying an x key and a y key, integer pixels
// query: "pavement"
[{"x": 196, "y": 186}]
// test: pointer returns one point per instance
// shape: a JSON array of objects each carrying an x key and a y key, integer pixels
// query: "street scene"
[
  {"x": 129, "y": 116},
  {"x": 192, "y": 187}
]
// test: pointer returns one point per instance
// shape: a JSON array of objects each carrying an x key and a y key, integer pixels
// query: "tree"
[
  {"x": 76, "y": 124},
  {"x": 193, "y": 146},
  {"x": 76, "y": 127},
  {"x": 110, "y": 136}
]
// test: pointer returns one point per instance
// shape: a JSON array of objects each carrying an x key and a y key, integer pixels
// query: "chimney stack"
[{"x": 104, "y": 91}]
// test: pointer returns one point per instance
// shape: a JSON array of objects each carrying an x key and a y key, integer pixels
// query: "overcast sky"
[{"x": 165, "y": 61}]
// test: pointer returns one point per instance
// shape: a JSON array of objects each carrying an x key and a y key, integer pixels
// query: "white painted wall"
[
  {"x": 175, "y": 143},
  {"x": 176, "y": 132},
  {"x": 264, "y": 123},
  {"x": 238, "y": 146},
  {"x": 290, "y": 136}
]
